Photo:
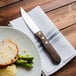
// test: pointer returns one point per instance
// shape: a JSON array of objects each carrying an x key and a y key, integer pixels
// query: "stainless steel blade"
[{"x": 30, "y": 23}]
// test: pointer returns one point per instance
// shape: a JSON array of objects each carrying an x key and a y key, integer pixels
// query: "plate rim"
[{"x": 7, "y": 27}]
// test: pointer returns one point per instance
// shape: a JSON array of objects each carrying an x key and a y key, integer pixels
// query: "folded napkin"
[{"x": 58, "y": 41}]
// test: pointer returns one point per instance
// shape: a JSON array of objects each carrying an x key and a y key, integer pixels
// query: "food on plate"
[
  {"x": 25, "y": 61},
  {"x": 8, "y": 71},
  {"x": 8, "y": 52},
  {"x": 9, "y": 56},
  {"x": 28, "y": 54}
]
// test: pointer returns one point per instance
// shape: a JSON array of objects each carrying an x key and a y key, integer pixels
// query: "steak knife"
[{"x": 55, "y": 58}]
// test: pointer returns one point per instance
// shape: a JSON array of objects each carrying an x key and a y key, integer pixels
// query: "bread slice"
[{"x": 8, "y": 52}]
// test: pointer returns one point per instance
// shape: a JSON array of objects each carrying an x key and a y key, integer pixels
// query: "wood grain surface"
[
  {"x": 64, "y": 17},
  {"x": 7, "y": 2},
  {"x": 70, "y": 34},
  {"x": 13, "y": 11},
  {"x": 61, "y": 12}
]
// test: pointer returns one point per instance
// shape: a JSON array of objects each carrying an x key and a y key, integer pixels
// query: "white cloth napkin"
[{"x": 58, "y": 41}]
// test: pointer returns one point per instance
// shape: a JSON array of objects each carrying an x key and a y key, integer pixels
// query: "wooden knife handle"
[{"x": 53, "y": 54}]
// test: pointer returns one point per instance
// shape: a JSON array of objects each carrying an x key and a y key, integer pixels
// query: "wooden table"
[{"x": 61, "y": 12}]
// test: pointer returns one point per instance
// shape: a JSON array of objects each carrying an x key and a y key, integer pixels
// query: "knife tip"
[{"x": 21, "y": 8}]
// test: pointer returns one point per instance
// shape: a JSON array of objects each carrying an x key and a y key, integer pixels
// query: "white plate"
[{"x": 23, "y": 42}]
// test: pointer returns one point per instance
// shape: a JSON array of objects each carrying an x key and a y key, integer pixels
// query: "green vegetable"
[
  {"x": 30, "y": 61},
  {"x": 28, "y": 65},
  {"x": 20, "y": 61},
  {"x": 25, "y": 61},
  {"x": 25, "y": 58}
]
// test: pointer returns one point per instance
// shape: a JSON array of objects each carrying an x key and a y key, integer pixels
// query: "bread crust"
[{"x": 15, "y": 58}]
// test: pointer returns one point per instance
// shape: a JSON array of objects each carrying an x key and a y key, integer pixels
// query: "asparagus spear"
[
  {"x": 20, "y": 61},
  {"x": 27, "y": 65},
  {"x": 29, "y": 59},
  {"x": 25, "y": 58},
  {"x": 25, "y": 61}
]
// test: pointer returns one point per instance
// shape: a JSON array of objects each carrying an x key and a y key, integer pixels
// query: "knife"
[{"x": 35, "y": 29}]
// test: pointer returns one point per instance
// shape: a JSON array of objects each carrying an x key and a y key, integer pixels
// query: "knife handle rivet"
[
  {"x": 43, "y": 37},
  {"x": 39, "y": 33},
  {"x": 46, "y": 42}
]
